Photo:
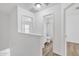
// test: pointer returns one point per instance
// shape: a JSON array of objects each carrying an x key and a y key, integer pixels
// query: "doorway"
[
  {"x": 72, "y": 30},
  {"x": 49, "y": 34}
]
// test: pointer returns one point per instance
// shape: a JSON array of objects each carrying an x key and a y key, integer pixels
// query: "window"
[
  {"x": 27, "y": 28},
  {"x": 49, "y": 25},
  {"x": 26, "y": 24}
]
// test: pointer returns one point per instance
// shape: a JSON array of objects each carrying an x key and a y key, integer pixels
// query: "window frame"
[{"x": 28, "y": 23}]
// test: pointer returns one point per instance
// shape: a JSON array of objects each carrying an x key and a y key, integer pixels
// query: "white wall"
[
  {"x": 4, "y": 30},
  {"x": 23, "y": 44},
  {"x": 13, "y": 29},
  {"x": 27, "y": 45}
]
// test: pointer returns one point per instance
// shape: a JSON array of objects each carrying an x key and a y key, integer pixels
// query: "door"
[{"x": 72, "y": 30}]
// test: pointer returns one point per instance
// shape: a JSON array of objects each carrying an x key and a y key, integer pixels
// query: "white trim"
[
  {"x": 34, "y": 34},
  {"x": 65, "y": 26}
]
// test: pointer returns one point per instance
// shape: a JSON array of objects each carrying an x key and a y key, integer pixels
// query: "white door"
[{"x": 72, "y": 24}]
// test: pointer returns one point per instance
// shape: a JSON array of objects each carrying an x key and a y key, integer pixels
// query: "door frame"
[{"x": 65, "y": 26}]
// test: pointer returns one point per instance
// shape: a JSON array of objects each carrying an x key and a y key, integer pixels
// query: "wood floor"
[{"x": 72, "y": 49}]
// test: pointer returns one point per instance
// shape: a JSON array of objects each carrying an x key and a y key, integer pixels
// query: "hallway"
[{"x": 39, "y": 29}]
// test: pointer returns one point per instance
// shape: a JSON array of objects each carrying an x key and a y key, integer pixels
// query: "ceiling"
[
  {"x": 8, "y": 7},
  {"x": 32, "y": 8}
]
